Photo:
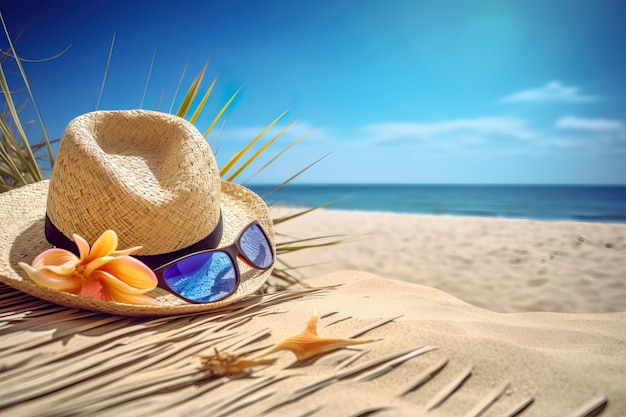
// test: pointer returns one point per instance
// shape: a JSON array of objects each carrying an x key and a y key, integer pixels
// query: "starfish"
[{"x": 309, "y": 343}]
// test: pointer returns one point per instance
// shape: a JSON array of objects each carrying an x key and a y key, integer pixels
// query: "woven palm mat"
[{"x": 61, "y": 362}]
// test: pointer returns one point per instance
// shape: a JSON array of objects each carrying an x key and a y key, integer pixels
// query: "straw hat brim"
[{"x": 22, "y": 213}]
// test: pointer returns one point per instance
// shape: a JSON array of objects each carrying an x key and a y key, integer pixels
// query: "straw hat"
[{"x": 152, "y": 178}]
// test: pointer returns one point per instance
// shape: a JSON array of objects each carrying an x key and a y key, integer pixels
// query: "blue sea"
[{"x": 541, "y": 202}]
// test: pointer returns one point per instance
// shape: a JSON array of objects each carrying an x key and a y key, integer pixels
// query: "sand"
[
  {"x": 433, "y": 355},
  {"x": 503, "y": 265},
  {"x": 456, "y": 308}
]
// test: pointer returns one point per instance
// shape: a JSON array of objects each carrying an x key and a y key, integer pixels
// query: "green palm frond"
[
  {"x": 221, "y": 113},
  {"x": 200, "y": 106},
  {"x": 229, "y": 165},
  {"x": 319, "y": 241},
  {"x": 279, "y": 154},
  {"x": 297, "y": 174},
  {"x": 288, "y": 217},
  {"x": 180, "y": 82},
  {"x": 258, "y": 153},
  {"x": 192, "y": 91}
]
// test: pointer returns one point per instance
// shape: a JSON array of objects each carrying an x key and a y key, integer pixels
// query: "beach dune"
[{"x": 503, "y": 265}]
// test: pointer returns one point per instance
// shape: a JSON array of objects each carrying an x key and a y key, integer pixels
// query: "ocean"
[{"x": 605, "y": 204}]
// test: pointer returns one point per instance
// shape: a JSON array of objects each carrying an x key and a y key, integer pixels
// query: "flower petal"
[
  {"x": 104, "y": 245},
  {"x": 115, "y": 290},
  {"x": 126, "y": 252},
  {"x": 110, "y": 281},
  {"x": 132, "y": 272},
  {"x": 82, "y": 245},
  {"x": 49, "y": 279},
  {"x": 96, "y": 263},
  {"x": 131, "y": 299},
  {"x": 65, "y": 270},
  {"x": 92, "y": 288},
  {"x": 55, "y": 256}
]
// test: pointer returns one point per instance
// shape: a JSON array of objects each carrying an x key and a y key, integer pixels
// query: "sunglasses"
[{"x": 212, "y": 275}]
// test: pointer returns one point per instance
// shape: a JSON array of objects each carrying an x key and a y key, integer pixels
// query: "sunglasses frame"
[{"x": 233, "y": 251}]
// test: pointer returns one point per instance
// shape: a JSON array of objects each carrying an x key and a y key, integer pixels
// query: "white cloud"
[
  {"x": 590, "y": 125},
  {"x": 469, "y": 131},
  {"x": 552, "y": 91}
]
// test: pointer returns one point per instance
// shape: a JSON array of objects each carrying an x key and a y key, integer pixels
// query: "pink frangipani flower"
[{"x": 101, "y": 272}]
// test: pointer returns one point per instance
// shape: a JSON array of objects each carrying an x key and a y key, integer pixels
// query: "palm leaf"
[
  {"x": 202, "y": 102},
  {"x": 259, "y": 152},
  {"x": 301, "y": 213},
  {"x": 295, "y": 245},
  {"x": 180, "y": 82},
  {"x": 297, "y": 174},
  {"x": 217, "y": 135},
  {"x": 184, "y": 107},
  {"x": 250, "y": 144},
  {"x": 281, "y": 153},
  {"x": 221, "y": 113}
]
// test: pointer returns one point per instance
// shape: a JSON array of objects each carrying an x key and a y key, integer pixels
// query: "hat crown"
[{"x": 151, "y": 177}]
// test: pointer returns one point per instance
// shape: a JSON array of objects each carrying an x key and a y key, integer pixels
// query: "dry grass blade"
[
  {"x": 300, "y": 213},
  {"x": 229, "y": 165},
  {"x": 278, "y": 155},
  {"x": 297, "y": 174},
  {"x": 449, "y": 389},
  {"x": 200, "y": 106},
  {"x": 50, "y": 58},
  {"x": 145, "y": 89},
  {"x": 388, "y": 367},
  {"x": 180, "y": 82},
  {"x": 217, "y": 135},
  {"x": 11, "y": 171},
  {"x": 286, "y": 281},
  {"x": 591, "y": 408},
  {"x": 184, "y": 107},
  {"x": 106, "y": 71},
  {"x": 18, "y": 61},
  {"x": 260, "y": 151},
  {"x": 489, "y": 400},
  {"x": 29, "y": 162},
  {"x": 292, "y": 246},
  {"x": 424, "y": 377},
  {"x": 221, "y": 113},
  {"x": 158, "y": 107},
  {"x": 519, "y": 407}
]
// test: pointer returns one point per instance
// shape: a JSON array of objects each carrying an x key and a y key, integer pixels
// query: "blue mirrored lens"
[
  {"x": 256, "y": 248},
  {"x": 203, "y": 278}
]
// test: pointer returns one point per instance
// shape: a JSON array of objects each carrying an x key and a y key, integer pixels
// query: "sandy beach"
[
  {"x": 431, "y": 355},
  {"x": 464, "y": 317},
  {"x": 504, "y": 265}
]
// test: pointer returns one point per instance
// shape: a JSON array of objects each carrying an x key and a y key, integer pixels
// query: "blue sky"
[{"x": 400, "y": 91}]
